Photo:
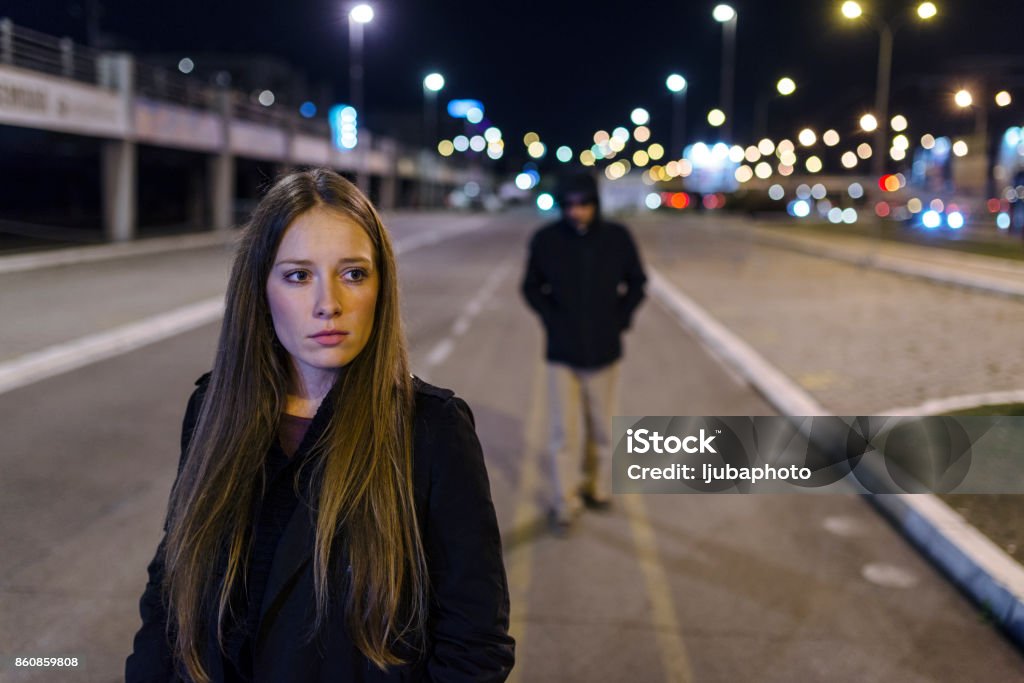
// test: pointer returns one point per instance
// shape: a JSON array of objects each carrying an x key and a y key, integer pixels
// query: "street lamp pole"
[
  {"x": 882, "y": 97},
  {"x": 357, "y": 16},
  {"x": 728, "y": 18},
  {"x": 678, "y": 86}
]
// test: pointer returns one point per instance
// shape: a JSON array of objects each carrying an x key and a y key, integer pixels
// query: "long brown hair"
[{"x": 362, "y": 474}]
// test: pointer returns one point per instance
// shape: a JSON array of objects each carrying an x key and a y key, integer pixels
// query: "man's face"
[{"x": 579, "y": 210}]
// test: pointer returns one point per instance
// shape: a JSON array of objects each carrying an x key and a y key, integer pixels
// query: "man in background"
[{"x": 584, "y": 279}]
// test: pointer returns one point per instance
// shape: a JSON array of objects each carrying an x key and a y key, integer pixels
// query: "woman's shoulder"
[{"x": 439, "y": 409}]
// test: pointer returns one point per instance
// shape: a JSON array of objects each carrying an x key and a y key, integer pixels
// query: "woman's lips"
[{"x": 330, "y": 339}]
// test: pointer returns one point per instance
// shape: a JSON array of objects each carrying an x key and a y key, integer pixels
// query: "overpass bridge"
[{"x": 52, "y": 84}]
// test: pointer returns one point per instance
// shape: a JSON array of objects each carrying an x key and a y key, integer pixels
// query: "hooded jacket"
[{"x": 585, "y": 286}]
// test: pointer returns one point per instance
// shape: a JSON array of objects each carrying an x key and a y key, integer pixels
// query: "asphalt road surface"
[{"x": 661, "y": 588}]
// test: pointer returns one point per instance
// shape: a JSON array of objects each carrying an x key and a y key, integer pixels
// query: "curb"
[
  {"x": 894, "y": 264},
  {"x": 975, "y": 564}
]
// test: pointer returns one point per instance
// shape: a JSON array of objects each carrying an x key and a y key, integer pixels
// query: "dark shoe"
[{"x": 599, "y": 504}]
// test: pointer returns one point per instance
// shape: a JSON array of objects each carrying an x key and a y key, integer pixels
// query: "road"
[{"x": 662, "y": 588}]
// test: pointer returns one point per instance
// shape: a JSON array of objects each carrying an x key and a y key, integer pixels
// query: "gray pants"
[{"x": 581, "y": 403}]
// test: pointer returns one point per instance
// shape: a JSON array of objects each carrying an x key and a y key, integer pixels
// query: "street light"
[
  {"x": 357, "y": 16},
  {"x": 853, "y": 10},
  {"x": 727, "y": 17},
  {"x": 677, "y": 86},
  {"x": 784, "y": 87},
  {"x": 432, "y": 84}
]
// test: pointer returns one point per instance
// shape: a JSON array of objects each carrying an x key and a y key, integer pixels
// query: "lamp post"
[
  {"x": 785, "y": 87},
  {"x": 677, "y": 86},
  {"x": 886, "y": 30},
  {"x": 727, "y": 17},
  {"x": 432, "y": 84},
  {"x": 358, "y": 16}
]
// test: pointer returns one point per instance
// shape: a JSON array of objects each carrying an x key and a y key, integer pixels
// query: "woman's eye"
[
  {"x": 356, "y": 274},
  {"x": 296, "y": 272}
]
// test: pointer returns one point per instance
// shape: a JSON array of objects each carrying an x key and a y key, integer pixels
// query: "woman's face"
[{"x": 324, "y": 277}]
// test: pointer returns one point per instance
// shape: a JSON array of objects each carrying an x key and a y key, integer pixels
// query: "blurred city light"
[
  {"x": 1003, "y": 221},
  {"x": 477, "y": 143},
  {"x": 855, "y": 190},
  {"x": 536, "y": 149},
  {"x": 868, "y": 122},
  {"x": 776, "y": 192},
  {"x": 830, "y": 138},
  {"x": 530, "y": 138},
  {"x": 652, "y": 200},
  {"x": 266, "y": 98},
  {"x": 445, "y": 148},
  {"x": 786, "y": 86},
  {"x": 587, "y": 157},
  {"x": 186, "y": 65},
  {"x": 927, "y": 140},
  {"x": 639, "y": 117},
  {"x": 864, "y": 150},
  {"x": 723, "y": 13},
  {"x": 545, "y": 202},
  {"x": 851, "y": 10},
  {"x": 655, "y": 151},
  {"x": 433, "y": 82},
  {"x": 641, "y": 133},
  {"x": 563, "y": 154},
  {"x": 640, "y": 158},
  {"x": 675, "y": 83},
  {"x": 492, "y": 134},
  {"x": 716, "y": 117},
  {"x": 344, "y": 127},
  {"x": 813, "y": 164},
  {"x": 361, "y": 14},
  {"x": 475, "y": 114},
  {"x": 461, "y": 143},
  {"x": 960, "y": 148},
  {"x": 620, "y": 134},
  {"x": 1003, "y": 98},
  {"x": 849, "y": 159},
  {"x": 898, "y": 123},
  {"x": 458, "y": 109},
  {"x": 850, "y": 215},
  {"x": 807, "y": 137},
  {"x": 765, "y": 147},
  {"x": 763, "y": 170},
  {"x": 931, "y": 219},
  {"x": 524, "y": 181},
  {"x": 307, "y": 110},
  {"x": 955, "y": 220},
  {"x": 963, "y": 98},
  {"x": 927, "y": 10},
  {"x": 914, "y": 205}
]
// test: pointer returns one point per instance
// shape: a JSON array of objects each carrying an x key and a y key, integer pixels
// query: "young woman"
[{"x": 332, "y": 518}]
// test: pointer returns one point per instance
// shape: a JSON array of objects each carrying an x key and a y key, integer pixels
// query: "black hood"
[{"x": 581, "y": 185}]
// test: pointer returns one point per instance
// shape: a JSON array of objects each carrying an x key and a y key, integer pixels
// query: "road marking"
[
  {"x": 940, "y": 406},
  {"x": 445, "y": 346},
  {"x": 60, "y": 358},
  {"x": 520, "y": 557},
  {"x": 674, "y": 656},
  {"x": 66, "y": 356}
]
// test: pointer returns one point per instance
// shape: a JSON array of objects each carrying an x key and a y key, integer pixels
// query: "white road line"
[
  {"x": 77, "y": 353},
  {"x": 939, "y": 406},
  {"x": 66, "y": 356},
  {"x": 445, "y": 346}
]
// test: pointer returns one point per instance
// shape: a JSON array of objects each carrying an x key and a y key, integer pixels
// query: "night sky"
[{"x": 565, "y": 69}]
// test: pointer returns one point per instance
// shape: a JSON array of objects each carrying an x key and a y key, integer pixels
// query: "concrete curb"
[
  {"x": 940, "y": 274},
  {"x": 151, "y": 245},
  {"x": 971, "y": 560}
]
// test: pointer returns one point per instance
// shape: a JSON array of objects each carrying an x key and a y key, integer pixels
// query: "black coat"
[
  {"x": 470, "y": 607},
  {"x": 573, "y": 282}
]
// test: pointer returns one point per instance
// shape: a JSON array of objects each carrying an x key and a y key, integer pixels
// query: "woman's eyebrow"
[{"x": 306, "y": 262}]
